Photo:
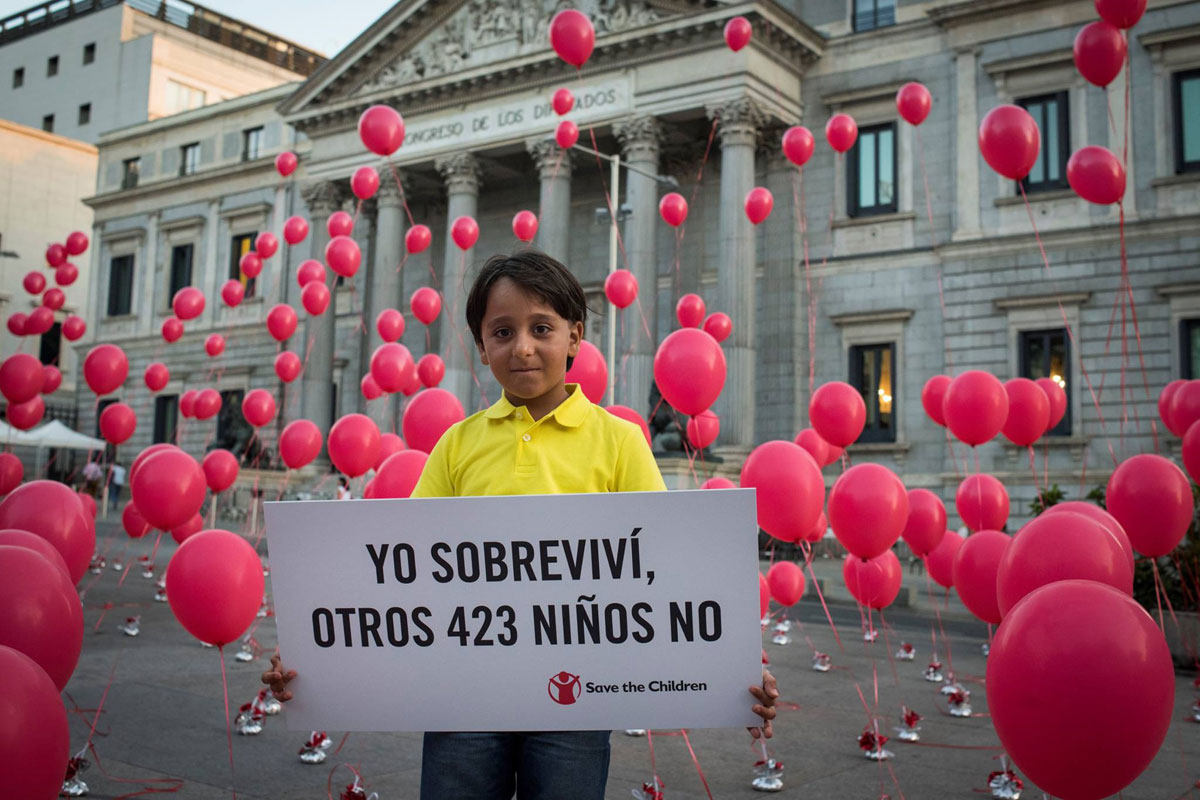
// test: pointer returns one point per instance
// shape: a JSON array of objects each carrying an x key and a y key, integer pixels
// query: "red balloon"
[
  {"x": 1191, "y": 451},
  {"x": 354, "y": 443},
  {"x": 266, "y": 244},
  {"x": 389, "y": 444},
  {"x": 1185, "y": 407},
  {"x": 786, "y": 582},
  {"x": 207, "y": 404},
  {"x": 737, "y": 34},
  {"x": 251, "y": 264},
  {"x": 214, "y": 345},
  {"x": 21, "y": 378},
  {"x": 817, "y": 447},
  {"x": 300, "y": 443},
  {"x": 398, "y": 475},
  {"x": 315, "y": 298},
  {"x": 220, "y": 469},
  {"x": 56, "y": 254},
  {"x": 39, "y": 321},
  {"x": 343, "y": 256},
  {"x": 718, "y": 326},
  {"x": 563, "y": 101},
  {"x": 975, "y": 407},
  {"x": 43, "y": 616},
  {"x": 1028, "y": 412},
  {"x": 1100, "y": 50},
  {"x": 764, "y": 595},
  {"x": 389, "y": 363},
  {"x": 567, "y": 134},
  {"x": 73, "y": 328},
  {"x": 524, "y": 225},
  {"x": 281, "y": 321},
  {"x": 1058, "y": 401},
  {"x": 188, "y": 303},
  {"x": 1164, "y": 405},
  {"x": 913, "y": 101},
  {"x": 76, "y": 243},
  {"x": 34, "y": 543},
  {"x": 34, "y": 739},
  {"x": 798, "y": 145},
  {"x": 295, "y": 230},
  {"x": 105, "y": 368},
  {"x": 24, "y": 416},
  {"x": 1059, "y": 649},
  {"x": 629, "y": 415},
  {"x": 381, "y": 129},
  {"x": 34, "y": 282},
  {"x": 703, "y": 429},
  {"x": 926, "y": 523},
  {"x": 258, "y": 407},
  {"x": 621, "y": 288},
  {"x": 465, "y": 232},
  {"x": 590, "y": 371},
  {"x": 868, "y": 509},
  {"x": 430, "y": 370},
  {"x": 690, "y": 311},
  {"x": 1098, "y": 515},
  {"x": 689, "y": 369},
  {"x": 718, "y": 483},
  {"x": 339, "y": 224},
  {"x": 364, "y": 183},
  {"x": 759, "y": 203},
  {"x": 285, "y": 163},
  {"x": 187, "y": 403},
  {"x": 52, "y": 511},
  {"x": 89, "y": 506},
  {"x": 841, "y": 131},
  {"x": 288, "y": 366},
  {"x": 837, "y": 413},
  {"x": 308, "y": 272},
  {"x": 171, "y": 491},
  {"x": 1152, "y": 499},
  {"x": 66, "y": 274},
  {"x": 429, "y": 414},
  {"x": 1122, "y": 13},
  {"x": 181, "y": 533},
  {"x": 426, "y": 304},
  {"x": 117, "y": 423},
  {"x": 16, "y": 324},
  {"x": 1096, "y": 175},
  {"x": 412, "y": 383},
  {"x": 673, "y": 209},
  {"x": 572, "y": 36},
  {"x": 152, "y": 449},
  {"x": 875, "y": 582},
  {"x": 172, "y": 329},
  {"x": 982, "y": 502},
  {"x": 417, "y": 238},
  {"x": 933, "y": 394},
  {"x": 12, "y": 472},
  {"x": 53, "y": 299},
  {"x": 216, "y": 582},
  {"x": 370, "y": 387},
  {"x": 940, "y": 561},
  {"x": 232, "y": 292},
  {"x": 1009, "y": 140},
  {"x": 976, "y": 566},
  {"x": 790, "y": 490},
  {"x": 133, "y": 522}
]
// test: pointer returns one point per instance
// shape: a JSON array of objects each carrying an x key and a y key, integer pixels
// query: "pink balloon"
[
  {"x": 56, "y": 254},
  {"x": 758, "y": 204},
  {"x": 232, "y": 292},
  {"x": 187, "y": 403},
  {"x": 181, "y": 533},
  {"x": 266, "y": 244},
  {"x": 913, "y": 101},
  {"x": 66, "y": 274},
  {"x": 285, "y": 163},
  {"x": 1058, "y": 401},
  {"x": 343, "y": 256},
  {"x": 690, "y": 311},
  {"x": 873, "y": 582},
  {"x": 258, "y": 407},
  {"x": 567, "y": 134},
  {"x": 354, "y": 443},
  {"x": 1059, "y": 649},
  {"x": 689, "y": 369},
  {"x": 381, "y": 129},
  {"x": 790, "y": 490},
  {"x": 117, "y": 423},
  {"x": 214, "y": 345},
  {"x": 295, "y": 230},
  {"x": 837, "y": 412},
  {"x": 525, "y": 225},
  {"x": 171, "y": 491},
  {"x": 133, "y": 522},
  {"x": 220, "y": 469},
  {"x": 975, "y": 407},
  {"x": 53, "y": 299},
  {"x": 982, "y": 502},
  {"x": 629, "y": 415},
  {"x": 51, "y": 510},
  {"x": 172, "y": 329},
  {"x": 299, "y": 443},
  {"x": 21, "y": 378},
  {"x": 572, "y": 36},
  {"x": 188, "y": 303},
  {"x": 1122, "y": 13},
  {"x": 465, "y": 232},
  {"x": 926, "y": 523},
  {"x": 412, "y": 383},
  {"x": 1152, "y": 499},
  {"x": 52, "y": 379},
  {"x": 364, "y": 183},
  {"x": 673, "y": 209},
  {"x": 841, "y": 131},
  {"x": 16, "y": 324},
  {"x": 370, "y": 387},
  {"x": 786, "y": 582},
  {"x": 940, "y": 561},
  {"x": 89, "y": 506},
  {"x": 1100, "y": 51},
  {"x": 1185, "y": 407},
  {"x": 976, "y": 566},
  {"x": 417, "y": 238},
  {"x": 933, "y": 394},
  {"x": 1010, "y": 141},
  {"x": 563, "y": 101},
  {"x": 817, "y": 447},
  {"x": 43, "y": 616},
  {"x": 1164, "y": 405},
  {"x": 703, "y": 429},
  {"x": 1028, "y": 412},
  {"x": 590, "y": 371},
  {"x": 389, "y": 363},
  {"x": 737, "y": 33},
  {"x": 621, "y": 288},
  {"x": 35, "y": 739},
  {"x": 310, "y": 271},
  {"x": 339, "y": 224},
  {"x": 216, "y": 582},
  {"x": 764, "y": 595},
  {"x": 24, "y": 416},
  {"x": 288, "y": 366},
  {"x": 426, "y": 304},
  {"x": 12, "y": 472},
  {"x": 798, "y": 145},
  {"x": 73, "y": 328},
  {"x": 152, "y": 449},
  {"x": 718, "y": 326},
  {"x": 1096, "y": 175},
  {"x": 34, "y": 543},
  {"x": 105, "y": 368},
  {"x": 315, "y": 298},
  {"x": 1101, "y": 517},
  {"x": 389, "y": 444},
  {"x": 718, "y": 483},
  {"x": 430, "y": 370},
  {"x": 34, "y": 282},
  {"x": 398, "y": 475},
  {"x": 429, "y": 414},
  {"x": 39, "y": 321},
  {"x": 868, "y": 509},
  {"x": 281, "y": 321},
  {"x": 76, "y": 243}
]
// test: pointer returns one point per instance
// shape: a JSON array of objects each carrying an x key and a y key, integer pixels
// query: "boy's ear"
[
  {"x": 576, "y": 339},
  {"x": 483, "y": 359}
]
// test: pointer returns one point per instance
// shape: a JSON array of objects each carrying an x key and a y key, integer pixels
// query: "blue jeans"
[{"x": 538, "y": 766}]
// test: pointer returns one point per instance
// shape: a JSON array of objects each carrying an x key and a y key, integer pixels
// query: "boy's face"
[{"x": 525, "y": 341}]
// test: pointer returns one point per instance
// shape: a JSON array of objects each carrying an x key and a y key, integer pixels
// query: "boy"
[{"x": 543, "y": 436}]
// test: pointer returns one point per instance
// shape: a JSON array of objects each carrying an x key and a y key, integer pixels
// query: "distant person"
[
  {"x": 116, "y": 485},
  {"x": 343, "y": 490},
  {"x": 92, "y": 475}
]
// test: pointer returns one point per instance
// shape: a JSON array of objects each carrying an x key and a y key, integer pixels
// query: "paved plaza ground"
[{"x": 163, "y": 715}]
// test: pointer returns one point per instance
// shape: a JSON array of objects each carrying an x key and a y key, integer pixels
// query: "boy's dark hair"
[{"x": 535, "y": 272}]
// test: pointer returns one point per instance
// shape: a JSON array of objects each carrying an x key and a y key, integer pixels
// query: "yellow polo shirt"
[{"x": 577, "y": 448}]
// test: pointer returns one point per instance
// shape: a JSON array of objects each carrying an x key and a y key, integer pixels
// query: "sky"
[{"x": 317, "y": 24}]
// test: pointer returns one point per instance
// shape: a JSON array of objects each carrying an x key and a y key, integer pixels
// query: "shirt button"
[
  {"x": 520, "y": 415},
  {"x": 527, "y": 437}
]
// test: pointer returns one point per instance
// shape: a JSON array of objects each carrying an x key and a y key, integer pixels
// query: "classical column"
[
  {"x": 966, "y": 200},
  {"x": 554, "y": 205},
  {"x": 316, "y": 382},
  {"x": 639, "y": 137},
  {"x": 740, "y": 120},
  {"x": 385, "y": 286},
  {"x": 462, "y": 175}
]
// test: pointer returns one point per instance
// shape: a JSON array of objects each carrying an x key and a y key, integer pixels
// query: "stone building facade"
[{"x": 905, "y": 258}]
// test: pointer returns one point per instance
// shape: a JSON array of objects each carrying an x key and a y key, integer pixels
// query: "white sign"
[{"x": 545, "y": 612}]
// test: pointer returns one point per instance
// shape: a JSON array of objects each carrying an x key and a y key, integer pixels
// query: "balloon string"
[
  {"x": 653, "y": 767},
  {"x": 175, "y": 784},
  {"x": 1036, "y": 484},
  {"x": 645, "y": 322},
  {"x": 403, "y": 196},
  {"x": 887, "y": 642},
  {"x": 696, "y": 762},
  {"x": 228, "y": 728},
  {"x": 828, "y": 617}
]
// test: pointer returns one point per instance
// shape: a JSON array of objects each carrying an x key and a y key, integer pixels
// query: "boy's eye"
[
  {"x": 500, "y": 332},
  {"x": 541, "y": 329}
]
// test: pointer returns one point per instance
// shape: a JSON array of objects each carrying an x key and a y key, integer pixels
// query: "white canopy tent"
[{"x": 52, "y": 434}]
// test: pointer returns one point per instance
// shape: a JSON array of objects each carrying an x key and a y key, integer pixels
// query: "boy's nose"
[{"x": 524, "y": 346}]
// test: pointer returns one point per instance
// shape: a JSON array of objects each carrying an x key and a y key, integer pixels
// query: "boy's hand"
[
  {"x": 765, "y": 707},
  {"x": 278, "y": 678}
]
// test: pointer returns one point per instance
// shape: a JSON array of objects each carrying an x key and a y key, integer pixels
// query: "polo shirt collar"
[{"x": 570, "y": 412}]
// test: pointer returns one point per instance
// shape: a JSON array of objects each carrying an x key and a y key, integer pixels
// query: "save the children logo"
[{"x": 564, "y": 688}]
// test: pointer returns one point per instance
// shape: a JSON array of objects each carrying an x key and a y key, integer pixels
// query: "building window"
[
  {"x": 166, "y": 417},
  {"x": 872, "y": 14},
  {"x": 239, "y": 245},
  {"x": 181, "y": 97},
  {"x": 85, "y": 113},
  {"x": 51, "y": 66},
  {"x": 181, "y": 269},
  {"x": 18, "y": 77},
  {"x": 1189, "y": 348},
  {"x": 189, "y": 158},
  {"x": 89, "y": 52},
  {"x": 1186, "y": 91},
  {"x": 1047, "y": 354},
  {"x": 48, "y": 123},
  {"x": 252, "y": 143},
  {"x": 872, "y": 372},
  {"x": 233, "y": 431},
  {"x": 1052, "y": 115},
  {"x": 871, "y": 171},
  {"x": 50, "y": 345},
  {"x": 130, "y": 170},
  {"x": 120, "y": 286}
]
